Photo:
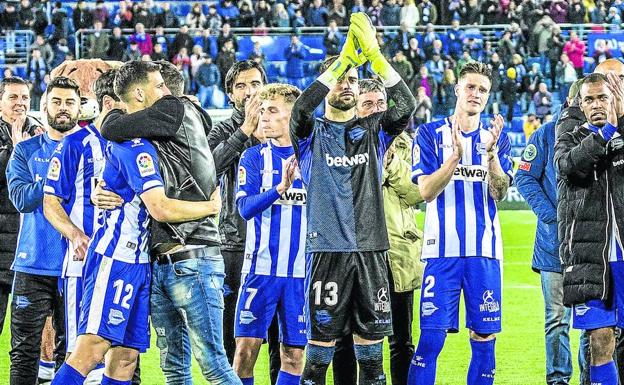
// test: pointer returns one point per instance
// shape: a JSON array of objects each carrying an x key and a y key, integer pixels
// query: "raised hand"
[
  {"x": 498, "y": 123},
  {"x": 365, "y": 33},
  {"x": 614, "y": 84},
  {"x": 17, "y": 133},
  {"x": 458, "y": 148},
  {"x": 252, "y": 115}
]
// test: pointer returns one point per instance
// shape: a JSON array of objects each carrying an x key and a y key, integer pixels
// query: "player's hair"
[
  {"x": 475, "y": 67},
  {"x": 104, "y": 87},
  {"x": 327, "y": 63},
  {"x": 286, "y": 91},
  {"x": 131, "y": 73},
  {"x": 372, "y": 85},
  {"x": 593, "y": 78},
  {"x": 64, "y": 83},
  {"x": 239, "y": 67},
  {"x": 172, "y": 77},
  {"x": 12, "y": 80}
]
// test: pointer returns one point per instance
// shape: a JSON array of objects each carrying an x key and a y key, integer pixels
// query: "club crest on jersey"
[
  {"x": 146, "y": 164},
  {"x": 242, "y": 176},
  {"x": 415, "y": 154},
  {"x": 54, "y": 171},
  {"x": 481, "y": 149},
  {"x": 489, "y": 303},
  {"x": 530, "y": 152}
]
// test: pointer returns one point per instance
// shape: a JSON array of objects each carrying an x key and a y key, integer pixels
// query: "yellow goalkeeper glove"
[
  {"x": 350, "y": 57},
  {"x": 366, "y": 36}
]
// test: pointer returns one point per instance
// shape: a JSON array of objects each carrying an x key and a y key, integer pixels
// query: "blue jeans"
[
  {"x": 187, "y": 311},
  {"x": 204, "y": 94}
]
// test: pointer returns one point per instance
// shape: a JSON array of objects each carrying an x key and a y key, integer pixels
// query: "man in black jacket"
[{"x": 590, "y": 160}]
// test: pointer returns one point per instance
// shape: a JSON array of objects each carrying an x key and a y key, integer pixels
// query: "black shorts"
[{"x": 348, "y": 292}]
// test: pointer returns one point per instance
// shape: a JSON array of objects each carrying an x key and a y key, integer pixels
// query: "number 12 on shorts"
[
  {"x": 331, "y": 291},
  {"x": 119, "y": 287}
]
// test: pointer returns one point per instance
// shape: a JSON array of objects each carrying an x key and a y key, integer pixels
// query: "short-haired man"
[
  {"x": 462, "y": 168},
  {"x": 590, "y": 161},
  {"x": 75, "y": 167},
  {"x": 340, "y": 156},
  {"x": 271, "y": 197},
  {"x": 118, "y": 274},
  {"x": 40, "y": 248}
]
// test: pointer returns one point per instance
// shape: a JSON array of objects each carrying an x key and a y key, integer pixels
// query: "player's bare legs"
[
  {"x": 46, "y": 359},
  {"x": 121, "y": 363},
  {"x": 90, "y": 350},
  {"x": 246, "y": 355}
]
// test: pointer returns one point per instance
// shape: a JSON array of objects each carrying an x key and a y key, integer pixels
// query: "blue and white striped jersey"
[
  {"x": 462, "y": 221},
  {"x": 76, "y": 164},
  {"x": 276, "y": 236},
  {"x": 131, "y": 169}
]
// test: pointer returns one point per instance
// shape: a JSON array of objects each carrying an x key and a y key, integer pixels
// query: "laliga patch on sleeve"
[
  {"x": 524, "y": 166},
  {"x": 415, "y": 154},
  {"x": 54, "y": 170},
  {"x": 146, "y": 164},
  {"x": 242, "y": 176},
  {"x": 530, "y": 152}
]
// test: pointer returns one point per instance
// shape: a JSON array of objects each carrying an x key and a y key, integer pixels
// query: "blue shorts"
[
  {"x": 72, "y": 296},
  {"x": 443, "y": 281},
  {"x": 260, "y": 297},
  {"x": 596, "y": 314},
  {"x": 116, "y": 302}
]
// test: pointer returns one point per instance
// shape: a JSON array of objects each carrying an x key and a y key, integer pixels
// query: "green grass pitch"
[{"x": 519, "y": 349}]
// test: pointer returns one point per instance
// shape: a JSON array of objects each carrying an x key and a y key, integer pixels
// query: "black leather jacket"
[
  {"x": 9, "y": 216},
  {"x": 178, "y": 129}
]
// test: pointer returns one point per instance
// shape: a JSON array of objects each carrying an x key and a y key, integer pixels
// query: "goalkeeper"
[{"x": 340, "y": 157}]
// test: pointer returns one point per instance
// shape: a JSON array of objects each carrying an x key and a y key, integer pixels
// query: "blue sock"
[
  {"x": 247, "y": 381},
  {"x": 483, "y": 363},
  {"x": 604, "y": 374},
  {"x": 109, "y": 381},
  {"x": 67, "y": 375},
  {"x": 422, "y": 370},
  {"x": 285, "y": 378}
]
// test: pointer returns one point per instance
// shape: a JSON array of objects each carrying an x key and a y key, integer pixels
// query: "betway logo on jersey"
[
  {"x": 346, "y": 161},
  {"x": 470, "y": 173},
  {"x": 292, "y": 197}
]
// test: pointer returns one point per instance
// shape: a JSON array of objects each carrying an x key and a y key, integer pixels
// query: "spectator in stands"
[
  {"x": 159, "y": 38},
  {"x": 246, "y": 16},
  {"x": 143, "y": 39},
  {"x": 461, "y": 62},
  {"x": 332, "y": 39},
  {"x": 225, "y": 35},
  {"x": 555, "y": 48},
  {"x": 61, "y": 52},
  {"x": 44, "y": 47},
  {"x": 543, "y": 101},
  {"x": 415, "y": 55},
  {"x": 339, "y": 13},
  {"x": 490, "y": 12},
  {"x": 486, "y": 52},
  {"x": 98, "y": 41},
  {"x": 509, "y": 90},
  {"x": 183, "y": 62},
  {"x": 410, "y": 16},
  {"x": 512, "y": 15},
  {"x": 167, "y": 17},
  {"x": 506, "y": 48},
  {"x": 455, "y": 40},
  {"x": 497, "y": 68},
  {"x": 257, "y": 55},
  {"x": 358, "y": 6},
  {"x": 559, "y": 11},
  {"x": 601, "y": 52},
  {"x": 566, "y": 76},
  {"x": 9, "y": 21},
  {"x": 423, "y": 79},
  {"x": 575, "y": 49},
  {"x": 401, "y": 40},
  {"x": 447, "y": 89},
  {"x": 424, "y": 107},
  {"x": 59, "y": 22},
  {"x": 213, "y": 19},
  {"x": 530, "y": 125},
  {"x": 281, "y": 18},
  {"x": 599, "y": 14},
  {"x": 36, "y": 71},
  {"x": 390, "y": 13},
  {"x": 82, "y": 16},
  {"x": 196, "y": 59},
  {"x": 226, "y": 59},
  {"x": 374, "y": 12},
  {"x": 614, "y": 18},
  {"x": 181, "y": 40},
  {"x": 208, "y": 79},
  {"x": 143, "y": 15},
  {"x": 296, "y": 54},
  {"x": 428, "y": 12},
  {"x": 123, "y": 16},
  {"x": 228, "y": 12},
  {"x": 158, "y": 53},
  {"x": 470, "y": 12},
  {"x": 263, "y": 13},
  {"x": 41, "y": 19},
  {"x": 25, "y": 15},
  {"x": 429, "y": 38},
  {"x": 317, "y": 14},
  {"x": 576, "y": 13},
  {"x": 298, "y": 21},
  {"x": 533, "y": 79},
  {"x": 118, "y": 45},
  {"x": 435, "y": 67},
  {"x": 402, "y": 66},
  {"x": 196, "y": 18},
  {"x": 100, "y": 13},
  {"x": 475, "y": 48},
  {"x": 132, "y": 53}
]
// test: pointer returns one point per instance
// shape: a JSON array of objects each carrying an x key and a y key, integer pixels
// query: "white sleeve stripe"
[
  {"x": 49, "y": 189},
  {"x": 151, "y": 184}
]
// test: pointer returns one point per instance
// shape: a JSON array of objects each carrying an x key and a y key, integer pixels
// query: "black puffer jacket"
[
  {"x": 591, "y": 187},
  {"x": 9, "y": 217},
  {"x": 227, "y": 142}
]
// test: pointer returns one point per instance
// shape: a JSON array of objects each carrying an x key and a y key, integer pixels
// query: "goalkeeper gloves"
[{"x": 349, "y": 58}]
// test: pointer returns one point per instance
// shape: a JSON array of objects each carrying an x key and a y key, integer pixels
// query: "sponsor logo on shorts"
[
  {"x": 322, "y": 317},
  {"x": 115, "y": 317},
  {"x": 581, "y": 309},
  {"x": 247, "y": 317},
  {"x": 428, "y": 308},
  {"x": 383, "y": 303},
  {"x": 489, "y": 303}
]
